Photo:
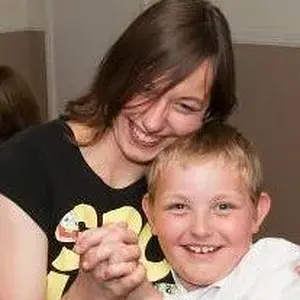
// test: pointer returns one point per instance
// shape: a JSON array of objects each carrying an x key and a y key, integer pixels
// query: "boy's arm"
[{"x": 145, "y": 291}]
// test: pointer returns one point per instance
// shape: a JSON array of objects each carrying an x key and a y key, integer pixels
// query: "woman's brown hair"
[{"x": 168, "y": 41}]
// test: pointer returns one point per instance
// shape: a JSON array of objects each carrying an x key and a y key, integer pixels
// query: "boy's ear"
[
  {"x": 262, "y": 210},
  {"x": 148, "y": 210}
]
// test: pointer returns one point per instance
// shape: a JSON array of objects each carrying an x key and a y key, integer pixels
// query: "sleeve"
[
  {"x": 24, "y": 181},
  {"x": 292, "y": 292}
]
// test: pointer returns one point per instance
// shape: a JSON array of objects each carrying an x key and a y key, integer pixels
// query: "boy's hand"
[
  {"x": 113, "y": 232},
  {"x": 145, "y": 291},
  {"x": 109, "y": 251},
  {"x": 109, "y": 256},
  {"x": 120, "y": 287},
  {"x": 86, "y": 286}
]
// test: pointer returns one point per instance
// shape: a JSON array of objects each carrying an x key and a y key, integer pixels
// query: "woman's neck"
[{"x": 106, "y": 160}]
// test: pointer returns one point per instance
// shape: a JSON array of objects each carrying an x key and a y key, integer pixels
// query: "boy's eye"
[
  {"x": 223, "y": 207},
  {"x": 177, "y": 207}
]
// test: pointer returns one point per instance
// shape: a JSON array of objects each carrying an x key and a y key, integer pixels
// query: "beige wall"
[
  {"x": 25, "y": 52},
  {"x": 263, "y": 21},
  {"x": 22, "y": 43},
  {"x": 13, "y": 15},
  {"x": 16, "y": 15},
  {"x": 36, "y": 14},
  {"x": 79, "y": 37},
  {"x": 268, "y": 90}
]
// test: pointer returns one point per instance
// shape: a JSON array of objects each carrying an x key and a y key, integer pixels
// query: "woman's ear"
[
  {"x": 147, "y": 206},
  {"x": 262, "y": 210}
]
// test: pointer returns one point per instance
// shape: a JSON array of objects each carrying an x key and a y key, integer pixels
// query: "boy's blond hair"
[{"x": 215, "y": 140}]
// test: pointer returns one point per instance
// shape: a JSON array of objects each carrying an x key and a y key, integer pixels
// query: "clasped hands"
[{"x": 110, "y": 264}]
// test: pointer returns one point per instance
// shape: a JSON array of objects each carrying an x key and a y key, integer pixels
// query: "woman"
[
  {"x": 19, "y": 108},
  {"x": 169, "y": 72}
]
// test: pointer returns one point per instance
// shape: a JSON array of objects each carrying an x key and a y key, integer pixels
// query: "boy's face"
[{"x": 204, "y": 220}]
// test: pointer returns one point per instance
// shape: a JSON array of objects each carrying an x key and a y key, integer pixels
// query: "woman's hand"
[
  {"x": 89, "y": 287},
  {"x": 112, "y": 243},
  {"x": 109, "y": 260}
]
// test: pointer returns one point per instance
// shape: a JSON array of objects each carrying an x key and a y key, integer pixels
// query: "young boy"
[{"x": 205, "y": 203}]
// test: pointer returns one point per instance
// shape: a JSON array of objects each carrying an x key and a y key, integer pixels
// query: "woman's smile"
[{"x": 141, "y": 138}]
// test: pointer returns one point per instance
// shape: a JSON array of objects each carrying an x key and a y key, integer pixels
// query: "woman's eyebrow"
[{"x": 195, "y": 98}]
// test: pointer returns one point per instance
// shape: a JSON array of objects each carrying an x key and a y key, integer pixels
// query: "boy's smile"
[
  {"x": 204, "y": 219},
  {"x": 202, "y": 249}
]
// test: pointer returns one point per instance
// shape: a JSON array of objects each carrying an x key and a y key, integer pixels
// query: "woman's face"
[{"x": 145, "y": 127}]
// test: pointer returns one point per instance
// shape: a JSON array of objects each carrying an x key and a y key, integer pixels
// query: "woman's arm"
[
  {"x": 109, "y": 264},
  {"x": 112, "y": 253},
  {"x": 23, "y": 254},
  {"x": 23, "y": 262}
]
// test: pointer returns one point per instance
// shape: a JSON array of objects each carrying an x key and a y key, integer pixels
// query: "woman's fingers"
[
  {"x": 125, "y": 253},
  {"x": 110, "y": 255},
  {"x": 110, "y": 272},
  {"x": 112, "y": 252},
  {"x": 117, "y": 232},
  {"x": 95, "y": 256}
]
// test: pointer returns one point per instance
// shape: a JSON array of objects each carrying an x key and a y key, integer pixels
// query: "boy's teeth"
[{"x": 201, "y": 249}]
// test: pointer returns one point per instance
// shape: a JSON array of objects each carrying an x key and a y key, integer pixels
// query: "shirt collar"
[
  {"x": 201, "y": 290},
  {"x": 197, "y": 292}
]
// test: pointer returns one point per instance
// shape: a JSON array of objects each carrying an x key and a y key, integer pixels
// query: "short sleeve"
[
  {"x": 292, "y": 291},
  {"x": 24, "y": 180}
]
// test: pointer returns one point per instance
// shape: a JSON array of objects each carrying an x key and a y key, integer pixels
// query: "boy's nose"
[
  {"x": 201, "y": 226},
  {"x": 154, "y": 117}
]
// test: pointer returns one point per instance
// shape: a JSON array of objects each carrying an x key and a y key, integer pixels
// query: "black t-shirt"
[{"x": 43, "y": 172}]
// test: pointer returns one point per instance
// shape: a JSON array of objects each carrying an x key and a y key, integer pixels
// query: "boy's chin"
[{"x": 191, "y": 283}]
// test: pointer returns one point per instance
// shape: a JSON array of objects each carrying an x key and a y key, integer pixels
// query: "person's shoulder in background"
[{"x": 19, "y": 107}]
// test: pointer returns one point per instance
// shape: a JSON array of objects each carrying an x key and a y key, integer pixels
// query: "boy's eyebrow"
[
  {"x": 229, "y": 194},
  {"x": 176, "y": 196}
]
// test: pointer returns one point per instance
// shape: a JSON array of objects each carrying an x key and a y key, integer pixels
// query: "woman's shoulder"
[
  {"x": 45, "y": 136},
  {"x": 41, "y": 132}
]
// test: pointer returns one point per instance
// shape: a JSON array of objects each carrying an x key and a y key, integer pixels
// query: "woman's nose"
[{"x": 154, "y": 116}]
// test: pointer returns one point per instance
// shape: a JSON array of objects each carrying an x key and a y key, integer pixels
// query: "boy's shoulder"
[
  {"x": 275, "y": 243},
  {"x": 266, "y": 270},
  {"x": 274, "y": 251},
  {"x": 268, "y": 255}
]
